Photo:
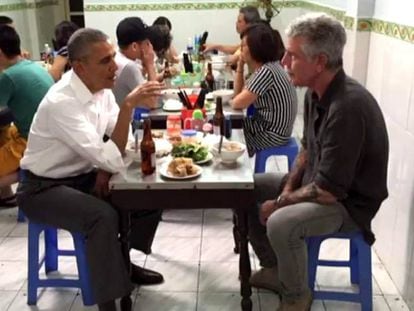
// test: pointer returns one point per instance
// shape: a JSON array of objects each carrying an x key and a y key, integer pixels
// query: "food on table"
[
  {"x": 231, "y": 146},
  {"x": 175, "y": 139},
  {"x": 195, "y": 151},
  {"x": 182, "y": 167},
  {"x": 157, "y": 134}
]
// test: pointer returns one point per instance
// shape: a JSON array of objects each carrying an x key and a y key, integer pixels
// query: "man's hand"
[
  {"x": 101, "y": 188},
  {"x": 145, "y": 94},
  {"x": 267, "y": 209},
  {"x": 25, "y": 54},
  {"x": 148, "y": 55}
]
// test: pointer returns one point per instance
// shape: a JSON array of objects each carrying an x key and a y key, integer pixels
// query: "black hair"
[
  {"x": 5, "y": 20},
  {"x": 63, "y": 31},
  {"x": 262, "y": 42},
  {"x": 250, "y": 14},
  {"x": 163, "y": 21},
  {"x": 160, "y": 38},
  {"x": 9, "y": 41}
]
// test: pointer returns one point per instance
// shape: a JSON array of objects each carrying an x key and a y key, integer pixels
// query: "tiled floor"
[{"x": 193, "y": 250}]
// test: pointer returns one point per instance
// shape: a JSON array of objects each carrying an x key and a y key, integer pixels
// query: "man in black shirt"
[{"x": 339, "y": 178}]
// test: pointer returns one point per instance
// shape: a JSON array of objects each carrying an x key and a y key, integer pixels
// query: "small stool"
[
  {"x": 20, "y": 215},
  {"x": 50, "y": 260},
  {"x": 290, "y": 150},
  {"x": 359, "y": 263}
]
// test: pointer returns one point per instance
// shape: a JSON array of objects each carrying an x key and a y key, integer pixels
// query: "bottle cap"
[{"x": 189, "y": 133}]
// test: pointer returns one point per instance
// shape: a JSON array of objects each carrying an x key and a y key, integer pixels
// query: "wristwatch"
[{"x": 278, "y": 200}]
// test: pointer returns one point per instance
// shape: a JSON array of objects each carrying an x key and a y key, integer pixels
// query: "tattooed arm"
[
  {"x": 308, "y": 193},
  {"x": 294, "y": 178},
  {"x": 292, "y": 193}
]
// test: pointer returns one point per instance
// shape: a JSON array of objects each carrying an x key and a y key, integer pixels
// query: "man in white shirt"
[{"x": 66, "y": 159}]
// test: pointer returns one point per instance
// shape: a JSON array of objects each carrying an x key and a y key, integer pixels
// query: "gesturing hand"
[{"x": 145, "y": 94}]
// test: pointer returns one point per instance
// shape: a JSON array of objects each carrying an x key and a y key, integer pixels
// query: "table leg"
[
  {"x": 244, "y": 262},
  {"x": 236, "y": 236},
  {"x": 124, "y": 232}
]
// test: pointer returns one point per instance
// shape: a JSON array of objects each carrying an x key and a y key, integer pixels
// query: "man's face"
[
  {"x": 241, "y": 24},
  {"x": 97, "y": 70},
  {"x": 302, "y": 70}
]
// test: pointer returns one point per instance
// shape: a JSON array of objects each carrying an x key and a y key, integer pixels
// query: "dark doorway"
[{"x": 76, "y": 12}]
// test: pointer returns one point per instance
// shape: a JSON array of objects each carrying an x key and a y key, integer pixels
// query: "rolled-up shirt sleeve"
[
  {"x": 73, "y": 128},
  {"x": 341, "y": 146}
]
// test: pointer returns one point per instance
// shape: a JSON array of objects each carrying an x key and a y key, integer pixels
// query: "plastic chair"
[
  {"x": 359, "y": 264},
  {"x": 20, "y": 215},
  {"x": 50, "y": 261},
  {"x": 290, "y": 150}
]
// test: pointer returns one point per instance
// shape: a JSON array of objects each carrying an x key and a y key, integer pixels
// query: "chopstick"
[
  {"x": 184, "y": 99},
  {"x": 220, "y": 144},
  {"x": 187, "y": 99}
]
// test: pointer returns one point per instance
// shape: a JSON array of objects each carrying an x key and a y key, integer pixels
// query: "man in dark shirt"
[{"x": 339, "y": 178}]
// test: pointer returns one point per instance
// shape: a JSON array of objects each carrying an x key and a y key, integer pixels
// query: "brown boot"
[
  {"x": 266, "y": 278},
  {"x": 303, "y": 303}
]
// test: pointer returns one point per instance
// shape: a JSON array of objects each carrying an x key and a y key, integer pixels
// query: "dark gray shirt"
[{"x": 347, "y": 143}]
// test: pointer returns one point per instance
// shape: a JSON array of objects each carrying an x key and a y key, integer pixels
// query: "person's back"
[
  {"x": 26, "y": 83},
  {"x": 22, "y": 86}
]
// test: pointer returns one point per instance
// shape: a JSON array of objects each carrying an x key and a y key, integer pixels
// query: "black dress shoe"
[{"x": 143, "y": 276}]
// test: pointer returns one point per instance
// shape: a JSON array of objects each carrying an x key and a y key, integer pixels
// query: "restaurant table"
[
  {"x": 220, "y": 185},
  {"x": 159, "y": 116}
]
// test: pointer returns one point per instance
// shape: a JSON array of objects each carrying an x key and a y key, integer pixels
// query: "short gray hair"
[
  {"x": 81, "y": 40},
  {"x": 322, "y": 34},
  {"x": 250, "y": 13}
]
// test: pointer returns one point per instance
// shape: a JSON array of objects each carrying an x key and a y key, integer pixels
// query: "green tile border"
[
  {"x": 24, "y": 6},
  {"x": 390, "y": 29}
]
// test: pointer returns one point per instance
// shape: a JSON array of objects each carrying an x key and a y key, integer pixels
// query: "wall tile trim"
[{"x": 27, "y": 5}]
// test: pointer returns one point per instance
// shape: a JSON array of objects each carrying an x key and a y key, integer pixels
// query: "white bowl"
[
  {"x": 173, "y": 93},
  {"x": 225, "y": 95},
  {"x": 230, "y": 151}
]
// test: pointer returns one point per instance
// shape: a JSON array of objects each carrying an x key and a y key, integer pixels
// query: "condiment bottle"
[
  {"x": 209, "y": 77},
  {"x": 173, "y": 125},
  {"x": 147, "y": 150},
  {"x": 167, "y": 74},
  {"x": 218, "y": 118}
]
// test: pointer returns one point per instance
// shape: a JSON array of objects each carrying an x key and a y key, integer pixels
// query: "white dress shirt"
[{"x": 65, "y": 138}]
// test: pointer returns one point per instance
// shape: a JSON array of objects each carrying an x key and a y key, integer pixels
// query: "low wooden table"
[{"x": 219, "y": 186}]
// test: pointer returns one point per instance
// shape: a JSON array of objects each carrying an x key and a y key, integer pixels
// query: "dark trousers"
[{"x": 67, "y": 203}]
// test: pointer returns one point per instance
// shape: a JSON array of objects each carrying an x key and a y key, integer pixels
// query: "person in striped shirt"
[{"x": 268, "y": 89}]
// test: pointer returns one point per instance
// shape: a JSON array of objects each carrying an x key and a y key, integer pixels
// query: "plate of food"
[
  {"x": 207, "y": 159},
  {"x": 195, "y": 151},
  {"x": 172, "y": 105},
  {"x": 181, "y": 169}
]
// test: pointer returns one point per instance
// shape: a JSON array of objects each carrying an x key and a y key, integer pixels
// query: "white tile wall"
[{"x": 390, "y": 77}]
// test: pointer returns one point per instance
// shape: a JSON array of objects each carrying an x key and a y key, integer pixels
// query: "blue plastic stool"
[
  {"x": 20, "y": 215},
  {"x": 359, "y": 264},
  {"x": 290, "y": 150},
  {"x": 50, "y": 260}
]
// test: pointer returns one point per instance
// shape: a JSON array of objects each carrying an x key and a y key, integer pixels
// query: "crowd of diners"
[{"x": 65, "y": 130}]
